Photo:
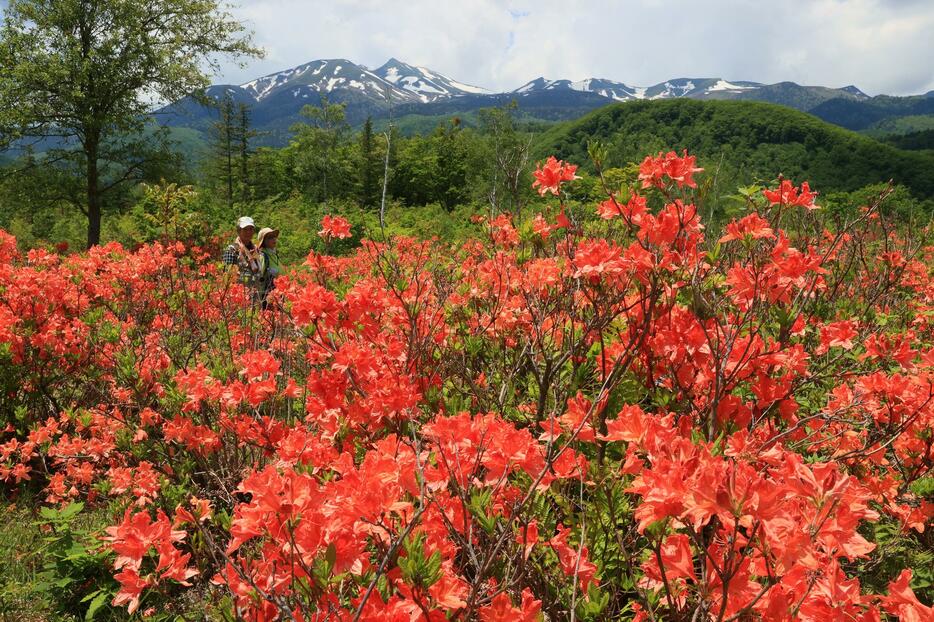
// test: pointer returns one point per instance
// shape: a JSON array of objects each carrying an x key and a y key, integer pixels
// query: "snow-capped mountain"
[
  {"x": 395, "y": 79},
  {"x": 425, "y": 84},
  {"x": 852, "y": 90},
  {"x": 609, "y": 88},
  {"x": 276, "y": 100},
  {"x": 619, "y": 91},
  {"x": 543, "y": 84},
  {"x": 699, "y": 88},
  {"x": 327, "y": 76},
  {"x": 599, "y": 86},
  {"x": 409, "y": 84}
]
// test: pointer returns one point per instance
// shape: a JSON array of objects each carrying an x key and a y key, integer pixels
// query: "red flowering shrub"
[
  {"x": 334, "y": 227},
  {"x": 608, "y": 413}
]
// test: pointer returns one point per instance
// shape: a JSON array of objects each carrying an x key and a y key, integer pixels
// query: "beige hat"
[{"x": 263, "y": 233}]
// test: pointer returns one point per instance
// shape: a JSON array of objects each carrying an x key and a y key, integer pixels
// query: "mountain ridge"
[
  {"x": 401, "y": 88},
  {"x": 427, "y": 85}
]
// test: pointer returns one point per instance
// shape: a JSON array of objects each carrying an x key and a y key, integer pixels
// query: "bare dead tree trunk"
[{"x": 382, "y": 203}]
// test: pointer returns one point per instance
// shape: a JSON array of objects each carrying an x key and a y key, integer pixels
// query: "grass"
[{"x": 21, "y": 561}]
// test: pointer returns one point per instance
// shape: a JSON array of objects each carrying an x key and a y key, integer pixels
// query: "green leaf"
[
  {"x": 749, "y": 191},
  {"x": 923, "y": 487},
  {"x": 98, "y": 602}
]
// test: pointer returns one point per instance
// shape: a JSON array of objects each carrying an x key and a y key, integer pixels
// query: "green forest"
[{"x": 435, "y": 179}]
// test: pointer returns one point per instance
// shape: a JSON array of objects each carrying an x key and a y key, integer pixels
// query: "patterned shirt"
[{"x": 233, "y": 257}]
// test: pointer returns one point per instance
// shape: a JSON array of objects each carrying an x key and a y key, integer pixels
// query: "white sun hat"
[{"x": 245, "y": 221}]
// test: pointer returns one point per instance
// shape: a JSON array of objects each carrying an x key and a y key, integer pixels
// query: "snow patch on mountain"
[
  {"x": 533, "y": 85},
  {"x": 853, "y": 90},
  {"x": 671, "y": 89},
  {"x": 423, "y": 83},
  {"x": 723, "y": 85},
  {"x": 467, "y": 88}
]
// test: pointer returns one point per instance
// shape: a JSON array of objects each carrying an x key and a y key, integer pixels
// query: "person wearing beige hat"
[{"x": 269, "y": 260}]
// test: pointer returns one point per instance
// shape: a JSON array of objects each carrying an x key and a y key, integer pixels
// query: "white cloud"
[{"x": 882, "y": 46}]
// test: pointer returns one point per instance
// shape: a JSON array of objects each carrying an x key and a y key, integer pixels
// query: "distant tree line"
[{"x": 325, "y": 161}]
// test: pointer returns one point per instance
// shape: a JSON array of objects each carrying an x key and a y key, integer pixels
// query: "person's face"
[
  {"x": 270, "y": 241},
  {"x": 246, "y": 234}
]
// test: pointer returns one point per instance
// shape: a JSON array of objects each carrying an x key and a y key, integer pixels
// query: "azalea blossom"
[
  {"x": 550, "y": 176},
  {"x": 679, "y": 169},
  {"x": 788, "y": 194},
  {"x": 752, "y": 226},
  {"x": 334, "y": 227}
]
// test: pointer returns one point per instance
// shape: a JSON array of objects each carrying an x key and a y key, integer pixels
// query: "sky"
[{"x": 881, "y": 46}]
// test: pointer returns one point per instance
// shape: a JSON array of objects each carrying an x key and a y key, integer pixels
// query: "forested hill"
[{"x": 742, "y": 141}]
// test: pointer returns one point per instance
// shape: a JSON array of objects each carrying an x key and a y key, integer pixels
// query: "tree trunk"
[
  {"x": 244, "y": 136},
  {"x": 229, "y": 175},
  {"x": 94, "y": 196}
]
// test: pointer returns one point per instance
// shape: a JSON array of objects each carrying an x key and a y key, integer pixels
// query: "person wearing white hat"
[{"x": 244, "y": 254}]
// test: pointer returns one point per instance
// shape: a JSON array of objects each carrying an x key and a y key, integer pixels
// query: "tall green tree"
[
  {"x": 245, "y": 133},
  {"x": 371, "y": 167},
  {"x": 81, "y": 76},
  {"x": 318, "y": 149},
  {"x": 450, "y": 143},
  {"x": 508, "y": 157},
  {"x": 434, "y": 168},
  {"x": 228, "y": 167},
  {"x": 272, "y": 173},
  {"x": 223, "y": 135}
]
